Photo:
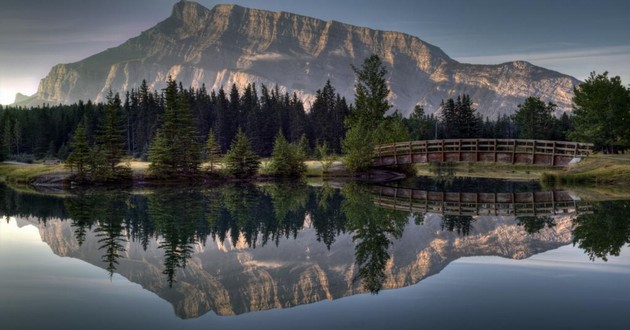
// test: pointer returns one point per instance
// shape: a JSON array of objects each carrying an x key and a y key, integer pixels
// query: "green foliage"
[
  {"x": 80, "y": 156},
  {"x": 391, "y": 129},
  {"x": 175, "y": 152},
  {"x": 459, "y": 118},
  {"x": 371, "y": 93},
  {"x": 213, "y": 150},
  {"x": 110, "y": 147},
  {"x": 605, "y": 231},
  {"x": 240, "y": 160},
  {"x": 367, "y": 124},
  {"x": 359, "y": 148},
  {"x": 371, "y": 229},
  {"x": 462, "y": 224},
  {"x": 534, "y": 224},
  {"x": 534, "y": 119},
  {"x": 111, "y": 134},
  {"x": 327, "y": 116},
  {"x": 326, "y": 160},
  {"x": 287, "y": 159},
  {"x": 602, "y": 112},
  {"x": 419, "y": 125}
]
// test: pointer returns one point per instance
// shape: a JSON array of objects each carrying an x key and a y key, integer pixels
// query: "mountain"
[
  {"x": 234, "y": 45},
  {"x": 232, "y": 279}
]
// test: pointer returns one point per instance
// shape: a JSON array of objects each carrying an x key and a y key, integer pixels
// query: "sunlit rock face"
[
  {"x": 234, "y": 45},
  {"x": 228, "y": 278}
]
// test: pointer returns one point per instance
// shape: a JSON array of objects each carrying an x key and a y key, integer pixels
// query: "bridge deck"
[{"x": 542, "y": 152}]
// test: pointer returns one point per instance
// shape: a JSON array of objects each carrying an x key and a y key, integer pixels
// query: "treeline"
[
  {"x": 602, "y": 108},
  {"x": 458, "y": 119},
  {"x": 46, "y": 131}
]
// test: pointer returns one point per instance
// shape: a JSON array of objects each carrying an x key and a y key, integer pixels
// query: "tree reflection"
[
  {"x": 605, "y": 231},
  {"x": 107, "y": 212},
  {"x": 326, "y": 214},
  {"x": 179, "y": 219},
  {"x": 460, "y": 223},
  {"x": 533, "y": 224},
  {"x": 81, "y": 211},
  {"x": 371, "y": 229}
]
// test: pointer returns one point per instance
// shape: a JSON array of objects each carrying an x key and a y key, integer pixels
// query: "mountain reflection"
[{"x": 241, "y": 248}]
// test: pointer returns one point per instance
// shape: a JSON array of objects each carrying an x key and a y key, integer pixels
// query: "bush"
[{"x": 287, "y": 159}]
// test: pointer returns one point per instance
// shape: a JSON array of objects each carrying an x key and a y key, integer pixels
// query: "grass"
[
  {"x": 598, "y": 169},
  {"x": 489, "y": 170},
  {"x": 27, "y": 173},
  {"x": 595, "y": 170}
]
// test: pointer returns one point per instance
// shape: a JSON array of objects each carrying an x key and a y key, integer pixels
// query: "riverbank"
[{"x": 594, "y": 170}]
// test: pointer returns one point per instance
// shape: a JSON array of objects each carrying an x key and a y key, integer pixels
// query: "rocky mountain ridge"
[
  {"x": 230, "y": 279},
  {"x": 230, "y": 44}
]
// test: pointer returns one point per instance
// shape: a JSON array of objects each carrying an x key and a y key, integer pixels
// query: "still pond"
[{"x": 454, "y": 254}]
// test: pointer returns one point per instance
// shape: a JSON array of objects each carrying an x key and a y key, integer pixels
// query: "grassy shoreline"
[{"x": 595, "y": 170}]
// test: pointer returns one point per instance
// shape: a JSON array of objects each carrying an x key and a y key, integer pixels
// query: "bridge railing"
[
  {"x": 470, "y": 203},
  {"x": 484, "y": 146}
]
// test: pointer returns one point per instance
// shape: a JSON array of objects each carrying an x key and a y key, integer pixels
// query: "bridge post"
[
  {"x": 513, "y": 151},
  {"x": 553, "y": 154},
  {"x": 534, "y": 153},
  {"x": 477, "y": 150}
]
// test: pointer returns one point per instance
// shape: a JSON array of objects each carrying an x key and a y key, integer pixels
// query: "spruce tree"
[
  {"x": 213, "y": 150},
  {"x": 80, "y": 156},
  {"x": 534, "y": 119},
  {"x": 240, "y": 160},
  {"x": 175, "y": 150},
  {"x": 111, "y": 134},
  {"x": 367, "y": 123}
]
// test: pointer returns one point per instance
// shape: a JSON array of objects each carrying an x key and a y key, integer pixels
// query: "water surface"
[{"x": 293, "y": 256}]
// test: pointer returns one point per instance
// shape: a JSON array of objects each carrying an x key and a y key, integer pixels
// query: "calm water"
[{"x": 445, "y": 254}]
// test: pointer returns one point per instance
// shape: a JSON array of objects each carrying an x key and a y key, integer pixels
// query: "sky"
[{"x": 574, "y": 37}]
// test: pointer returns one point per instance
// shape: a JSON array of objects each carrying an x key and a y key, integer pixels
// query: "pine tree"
[
  {"x": 534, "y": 119},
  {"x": 175, "y": 150},
  {"x": 111, "y": 134},
  {"x": 240, "y": 160},
  {"x": 367, "y": 123},
  {"x": 371, "y": 93},
  {"x": 213, "y": 150},
  {"x": 80, "y": 156}
]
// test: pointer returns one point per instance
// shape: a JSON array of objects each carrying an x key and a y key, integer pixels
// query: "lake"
[{"x": 438, "y": 254}]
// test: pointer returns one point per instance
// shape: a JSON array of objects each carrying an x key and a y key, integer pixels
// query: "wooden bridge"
[
  {"x": 519, "y": 204},
  {"x": 540, "y": 152}
]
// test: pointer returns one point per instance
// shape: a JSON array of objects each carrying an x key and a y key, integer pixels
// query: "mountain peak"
[
  {"x": 188, "y": 10},
  {"x": 229, "y": 45}
]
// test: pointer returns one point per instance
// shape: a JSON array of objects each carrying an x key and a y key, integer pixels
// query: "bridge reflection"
[{"x": 518, "y": 204}]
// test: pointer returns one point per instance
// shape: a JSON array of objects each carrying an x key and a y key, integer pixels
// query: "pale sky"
[{"x": 574, "y": 37}]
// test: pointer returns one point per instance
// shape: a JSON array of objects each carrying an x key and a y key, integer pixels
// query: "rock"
[{"x": 234, "y": 45}]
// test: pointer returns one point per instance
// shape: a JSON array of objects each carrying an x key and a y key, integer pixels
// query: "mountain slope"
[
  {"x": 233, "y": 279},
  {"x": 234, "y": 45}
]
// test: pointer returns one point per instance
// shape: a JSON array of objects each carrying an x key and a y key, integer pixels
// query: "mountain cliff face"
[
  {"x": 234, "y": 45},
  {"x": 232, "y": 279}
]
